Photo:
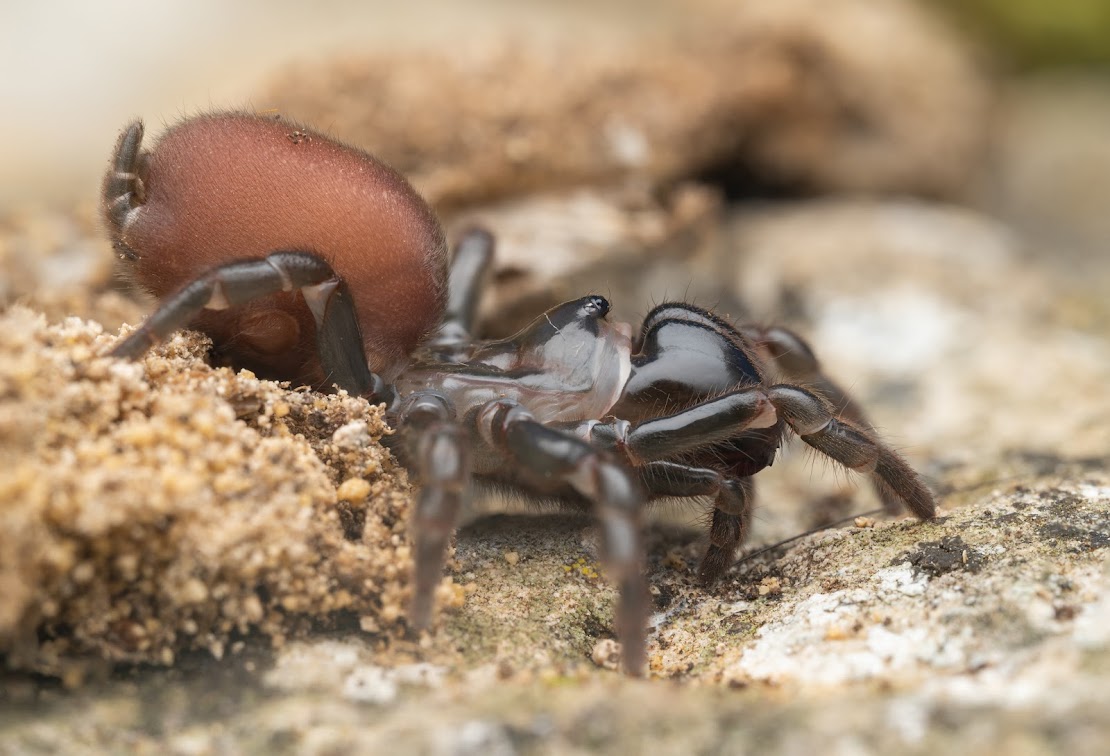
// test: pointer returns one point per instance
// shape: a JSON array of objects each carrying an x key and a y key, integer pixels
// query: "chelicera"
[{"x": 310, "y": 261}]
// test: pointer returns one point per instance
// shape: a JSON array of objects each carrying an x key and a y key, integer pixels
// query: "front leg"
[
  {"x": 686, "y": 353},
  {"x": 688, "y": 430},
  {"x": 797, "y": 363},
  {"x": 728, "y": 416},
  {"x": 854, "y": 447},
  {"x": 542, "y": 452}
]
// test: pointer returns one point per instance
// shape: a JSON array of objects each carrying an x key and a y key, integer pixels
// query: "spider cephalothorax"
[{"x": 311, "y": 261}]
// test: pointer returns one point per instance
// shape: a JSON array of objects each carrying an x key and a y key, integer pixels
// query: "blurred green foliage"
[{"x": 1039, "y": 33}]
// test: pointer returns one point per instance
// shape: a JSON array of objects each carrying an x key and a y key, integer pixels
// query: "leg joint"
[
  {"x": 803, "y": 411},
  {"x": 496, "y": 417},
  {"x": 423, "y": 409}
]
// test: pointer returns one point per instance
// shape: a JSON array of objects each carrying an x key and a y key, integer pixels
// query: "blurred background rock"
[{"x": 994, "y": 104}]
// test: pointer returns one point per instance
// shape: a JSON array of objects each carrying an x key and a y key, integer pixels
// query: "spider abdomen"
[{"x": 225, "y": 187}]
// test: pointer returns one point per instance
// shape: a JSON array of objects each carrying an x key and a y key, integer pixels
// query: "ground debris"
[
  {"x": 938, "y": 557},
  {"x": 156, "y": 507}
]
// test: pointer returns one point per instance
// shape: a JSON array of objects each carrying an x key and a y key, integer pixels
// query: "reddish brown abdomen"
[{"x": 228, "y": 187}]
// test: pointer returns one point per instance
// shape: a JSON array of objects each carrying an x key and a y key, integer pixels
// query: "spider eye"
[{"x": 598, "y": 306}]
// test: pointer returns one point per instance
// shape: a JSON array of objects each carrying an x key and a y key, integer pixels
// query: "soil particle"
[{"x": 938, "y": 557}]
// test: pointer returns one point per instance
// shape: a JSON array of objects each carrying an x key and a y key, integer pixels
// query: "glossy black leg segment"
[
  {"x": 855, "y": 448},
  {"x": 438, "y": 449},
  {"x": 694, "y": 428},
  {"x": 548, "y": 454},
  {"x": 339, "y": 345},
  {"x": 470, "y": 267},
  {"x": 732, "y": 501},
  {"x": 338, "y": 338}
]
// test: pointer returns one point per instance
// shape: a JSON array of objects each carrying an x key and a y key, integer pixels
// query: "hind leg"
[{"x": 338, "y": 338}]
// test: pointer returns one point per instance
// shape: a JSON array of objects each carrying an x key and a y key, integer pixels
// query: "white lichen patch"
[
  {"x": 902, "y": 579},
  {"x": 369, "y": 684},
  {"x": 348, "y": 669},
  {"x": 1018, "y": 581},
  {"x": 831, "y": 639}
]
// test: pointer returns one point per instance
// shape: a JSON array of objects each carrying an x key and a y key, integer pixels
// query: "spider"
[{"x": 310, "y": 261}]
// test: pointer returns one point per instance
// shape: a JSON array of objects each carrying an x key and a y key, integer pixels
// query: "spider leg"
[
  {"x": 854, "y": 447},
  {"x": 684, "y": 431},
  {"x": 687, "y": 352},
  {"x": 548, "y": 454},
  {"x": 438, "y": 449},
  {"x": 756, "y": 407},
  {"x": 470, "y": 266},
  {"x": 338, "y": 339},
  {"x": 732, "y": 500},
  {"x": 796, "y": 361}
]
